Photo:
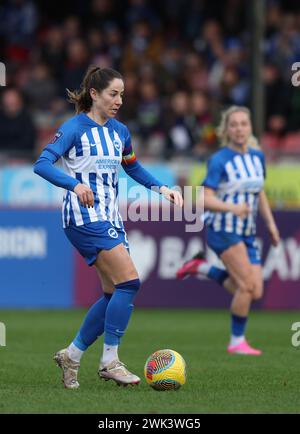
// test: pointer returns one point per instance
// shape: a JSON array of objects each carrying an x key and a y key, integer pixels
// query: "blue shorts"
[
  {"x": 91, "y": 238},
  {"x": 221, "y": 241}
]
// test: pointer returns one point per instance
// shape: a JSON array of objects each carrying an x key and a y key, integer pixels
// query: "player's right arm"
[
  {"x": 211, "y": 183},
  {"x": 63, "y": 141}
]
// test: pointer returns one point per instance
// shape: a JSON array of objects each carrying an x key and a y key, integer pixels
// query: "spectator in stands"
[
  {"x": 283, "y": 48},
  {"x": 234, "y": 90},
  {"x": 17, "y": 131},
  {"x": 71, "y": 28},
  {"x": 75, "y": 65},
  {"x": 129, "y": 115},
  {"x": 52, "y": 51},
  {"x": 149, "y": 115},
  {"x": 277, "y": 96},
  {"x": 180, "y": 140},
  {"x": 141, "y": 10},
  {"x": 143, "y": 45},
  {"x": 18, "y": 23},
  {"x": 41, "y": 88},
  {"x": 202, "y": 126},
  {"x": 105, "y": 11}
]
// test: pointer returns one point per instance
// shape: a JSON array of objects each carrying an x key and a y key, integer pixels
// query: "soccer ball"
[{"x": 165, "y": 370}]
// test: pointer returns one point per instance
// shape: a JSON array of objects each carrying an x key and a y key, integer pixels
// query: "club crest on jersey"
[
  {"x": 112, "y": 233},
  {"x": 57, "y": 136},
  {"x": 117, "y": 144}
]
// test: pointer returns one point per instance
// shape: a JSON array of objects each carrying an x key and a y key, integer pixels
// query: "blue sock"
[
  {"x": 217, "y": 274},
  {"x": 119, "y": 311},
  {"x": 238, "y": 325},
  {"x": 93, "y": 324}
]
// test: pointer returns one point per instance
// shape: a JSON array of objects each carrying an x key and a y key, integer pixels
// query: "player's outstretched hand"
[
  {"x": 173, "y": 196},
  {"x": 85, "y": 195}
]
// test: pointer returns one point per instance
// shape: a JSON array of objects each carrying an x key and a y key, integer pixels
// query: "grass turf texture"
[{"x": 216, "y": 383}]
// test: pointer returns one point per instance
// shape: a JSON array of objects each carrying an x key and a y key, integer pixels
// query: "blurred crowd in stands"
[{"x": 182, "y": 61}]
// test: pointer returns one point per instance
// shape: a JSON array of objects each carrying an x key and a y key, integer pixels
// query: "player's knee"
[
  {"x": 131, "y": 285},
  {"x": 108, "y": 289},
  {"x": 247, "y": 285},
  {"x": 230, "y": 285}
]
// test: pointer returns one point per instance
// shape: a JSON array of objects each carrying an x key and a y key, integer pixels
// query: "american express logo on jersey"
[{"x": 107, "y": 163}]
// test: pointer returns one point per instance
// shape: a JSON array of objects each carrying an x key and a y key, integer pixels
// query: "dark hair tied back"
[{"x": 95, "y": 78}]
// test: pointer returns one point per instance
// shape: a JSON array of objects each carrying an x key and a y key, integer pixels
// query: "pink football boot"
[
  {"x": 190, "y": 267},
  {"x": 243, "y": 348}
]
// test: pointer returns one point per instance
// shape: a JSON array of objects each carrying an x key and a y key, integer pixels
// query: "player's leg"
[
  {"x": 230, "y": 285},
  {"x": 198, "y": 266},
  {"x": 118, "y": 265},
  {"x": 88, "y": 240},
  {"x": 255, "y": 259},
  {"x": 93, "y": 324},
  {"x": 258, "y": 282},
  {"x": 92, "y": 327},
  {"x": 238, "y": 265}
]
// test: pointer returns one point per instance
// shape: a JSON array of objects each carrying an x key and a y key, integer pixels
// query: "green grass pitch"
[{"x": 216, "y": 383}]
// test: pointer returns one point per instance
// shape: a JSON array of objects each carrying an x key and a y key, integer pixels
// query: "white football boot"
[
  {"x": 69, "y": 368},
  {"x": 117, "y": 371}
]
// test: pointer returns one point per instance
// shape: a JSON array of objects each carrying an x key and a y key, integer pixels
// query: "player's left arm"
[
  {"x": 266, "y": 213},
  {"x": 137, "y": 172}
]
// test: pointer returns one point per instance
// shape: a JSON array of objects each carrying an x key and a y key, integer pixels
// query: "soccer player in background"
[
  {"x": 92, "y": 146},
  {"x": 233, "y": 193}
]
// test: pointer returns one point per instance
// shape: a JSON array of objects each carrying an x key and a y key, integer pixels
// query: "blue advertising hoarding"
[{"x": 36, "y": 260}]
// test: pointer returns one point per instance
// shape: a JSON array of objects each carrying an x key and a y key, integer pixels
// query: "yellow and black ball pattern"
[{"x": 165, "y": 370}]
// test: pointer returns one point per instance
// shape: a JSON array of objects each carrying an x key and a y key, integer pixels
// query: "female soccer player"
[
  {"x": 92, "y": 146},
  {"x": 233, "y": 192}
]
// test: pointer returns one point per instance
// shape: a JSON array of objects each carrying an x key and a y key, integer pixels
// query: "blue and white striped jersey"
[
  {"x": 236, "y": 178},
  {"x": 92, "y": 154}
]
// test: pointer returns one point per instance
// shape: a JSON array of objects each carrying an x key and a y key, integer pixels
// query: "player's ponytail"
[
  {"x": 95, "y": 78},
  {"x": 222, "y": 128}
]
